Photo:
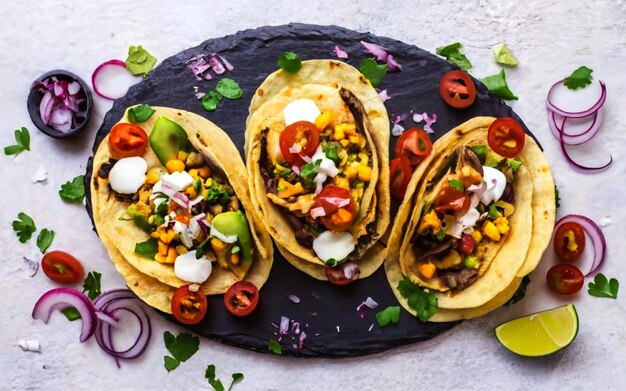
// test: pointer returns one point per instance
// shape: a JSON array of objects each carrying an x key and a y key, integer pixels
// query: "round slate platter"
[{"x": 326, "y": 313}]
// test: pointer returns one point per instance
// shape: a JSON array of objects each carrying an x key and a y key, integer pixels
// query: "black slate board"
[{"x": 327, "y": 313}]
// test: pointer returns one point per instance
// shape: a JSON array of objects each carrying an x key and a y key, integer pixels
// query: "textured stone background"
[{"x": 550, "y": 39}]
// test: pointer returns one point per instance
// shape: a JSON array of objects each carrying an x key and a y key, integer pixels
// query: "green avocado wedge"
[
  {"x": 235, "y": 223},
  {"x": 167, "y": 139}
]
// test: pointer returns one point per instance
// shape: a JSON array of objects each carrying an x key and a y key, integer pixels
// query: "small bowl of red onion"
[{"x": 60, "y": 103}]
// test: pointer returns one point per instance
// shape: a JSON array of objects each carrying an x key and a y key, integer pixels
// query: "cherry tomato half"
[
  {"x": 457, "y": 89},
  {"x": 565, "y": 279},
  {"x": 241, "y": 298},
  {"x": 336, "y": 219},
  {"x": 295, "y": 133},
  {"x": 127, "y": 140},
  {"x": 62, "y": 267},
  {"x": 400, "y": 173},
  {"x": 569, "y": 241},
  {"x": 188, "y": 307},
  {"x": 450, "y": 199},
  {"x": 342, "y": 274},
  {"x": 414, "y": 144},
  {"x": 506, "y": 137}
]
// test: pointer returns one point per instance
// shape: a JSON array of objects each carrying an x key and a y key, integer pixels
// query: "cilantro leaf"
[
  {"x": 513, "y": 164},
  {"x": 390, "y": 314},
  {"x": 24, "y": 227},
  {"x": 217, "y": 194},
  {"x": 22, "y": 138},
  {"x": 374, "y": 72},
  {"x": 140, "y": 113},
  {"x": 331, "y": 150},
  {"x": 91, "y": 285},
  {"x": 44, "y": 240},
  {"x": 139, "y": 62},
  {"x": 210, "y": 100},
  {"x": 289, "y": 62},
  {"x": 170, "y": 363},
  {"x": 274, "y": 347},
  {"x": 557, "y": 197},
  {"x": 480, "y": 150},
  {"x": 209, "y": 374},
  {"x": 493, "y": 212},
  {"x": 308, "y": 173},
  {"x": 229, "y": 88},
  {"x": 580, "y": 78},
  {"x": 496, "y": 84},
  {"x": 451, "y": 53},
  {"x": 424, "y": 303},
  {"x": 74, "y": 190},
  {"x": 520, "y": 292},
  {"x": 183, "y": 346},
  {"x": 455, "y": 184},
  {"x": 148, "y": 248},
  {"x": 504, "y": 55},
  {"x": 71, "y": 313},
  {"x": 602, "y": 287},
  {"x": 237, "y": 377}
]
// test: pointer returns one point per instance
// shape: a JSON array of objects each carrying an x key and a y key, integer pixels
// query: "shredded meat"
[{"x": 459, "y": 280}]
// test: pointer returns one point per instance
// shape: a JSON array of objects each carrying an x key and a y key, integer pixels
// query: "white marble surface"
[{"x": 550, "y": 39}]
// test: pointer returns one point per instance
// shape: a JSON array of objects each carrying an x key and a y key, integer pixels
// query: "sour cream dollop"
[
  {"x": 301, "y": 110},
  {"x": 494, "y": 184},
  {"x": 331, "y": 245},
  {"x": 128, "y": 174},
  {"x": 190, "y": 269}
]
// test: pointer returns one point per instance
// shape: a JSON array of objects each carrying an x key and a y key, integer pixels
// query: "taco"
[
  {"x": 177, "y": 212},
  {"x": 317, "y": 158},
  {"x": 472, "y": 223}
]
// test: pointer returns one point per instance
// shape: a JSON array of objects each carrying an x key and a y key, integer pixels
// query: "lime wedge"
[{"x": 540, "y": 334}]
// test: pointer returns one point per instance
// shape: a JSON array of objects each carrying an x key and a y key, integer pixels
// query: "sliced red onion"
[
  {"x": 295, "y": 327},
  {"x": 557, "y": 124},
  {"x": 107, "y": 318},
  {"x": 294, "y": 299},
  {"x": 284, "y": 325},
  {"x": 595, "y": 234},
  {"x": 350, "y": 269},
  {"x": 368, "y": 303},
  {"x": 384, "y": 96},
  {"x": 301, "y": 340},
  {"x": 393, "y": 65},
  {"x": 111, "y": 79},
  {"x": 216, "y": 66},
  {"x": 180, "y": 199},
  {"x": 198, "y": 65},
  {"x": 199, "y": 95},
  {"x": 60, "y": 298},
  {"x": 45, "y": 106},
  {"x": 376, "y": 50},
  {"x": 340, "y": 53},
  {"x": 318, "y": 212},
  {"x": 228, "y": 65},
  {"x": 577, "y": 165},
  {"x": 575, "y": 113},
  {"x": 296, "y": 169}
]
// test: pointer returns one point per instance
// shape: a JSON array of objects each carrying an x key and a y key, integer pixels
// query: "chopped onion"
[
  {"x": 198, "y": 66},
  {"x": 294, "y": 299},
  {"x": 301, "y": 340},
  {"x": 32, "y": 266},
  {"x": 384, "y": 96},
  {"x": 295, "y": 148},
  {"x": 340, "y": 52},
  {"x": 181, "y": 199},
  {"x": 60, "y": 298},
  {"x": 295, "y": 327},
  {"x": 111, "y": 79},
  {"x": 376, "y": 50},
  {"x": 284, "y": 325},
  {"x": 59, "y": 105},
  {"x": 594, "y": 232},
  {"x": 228, "y": 65},
  {"x": 318, "y": 212},
  {"x": 393, "y": 65}
]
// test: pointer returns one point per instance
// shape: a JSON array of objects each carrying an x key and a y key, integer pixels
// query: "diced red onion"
[
  {"x": 350, "y": 269},
  {"x": 200, "y": 95},
  {"x": 32, "y": 266},
  {"x": 296, "y": 169},
  {"x": 295, "y": 148},
  {"x": 384, "y": 96},
  {"x": 575, "y": 114},
  {"x": 376, "y": 50},
  {"x": 106, "y": 74},
  {"x": 216, "y": 66},
  {"x": 294, "y": 299},
  {"x": 393, "y": 65},
  {"x": 180, "y": 199},
  {"x": 295, "y": 327},
  {"x": 45, "y": 106},
  {"x": 397, "y": 129},
  {"x": 595, "y": 234},
  {"x": 73, "y": 88},
  {"x": 318, "y": 212},
  {"x": 284, "y": 325},
  {"x": 337, "y": 201},
  {"x": 301, "y": 340},
  {"x": 60, "y": 298},
  {"x": 198, "y": 65},
  {"x": 340, "y": 53},
  {"x": 228, "y": 65}
]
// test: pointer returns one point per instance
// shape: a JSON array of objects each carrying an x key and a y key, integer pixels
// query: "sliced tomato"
[
  {"x": 241, "y": 298},
  {"x": 506, "y": 137},
  {"x": 337, "y": 219},
  {"x": 450, "y": 199},
  {"x": 400, "y": 173},
  {"x": 304, "y": 133},
  {"x": 62, "y": 267},
  {"x": 414, "y": 144},
  {"x": 188, "y": 307},
  {"x": 565, "y": 279},
  {"x": 127, "y": 140},
  {"x": 457, "y": 89},
  {"x": 569, "y": 241}
]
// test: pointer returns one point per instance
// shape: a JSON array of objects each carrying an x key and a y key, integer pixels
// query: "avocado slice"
[
  {"x": 140, "y": 219},
  {"x": 167, "y": 138},
  {"x": 235, "y": 223}
]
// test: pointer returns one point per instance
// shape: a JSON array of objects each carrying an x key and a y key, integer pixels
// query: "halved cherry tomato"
[
  {"x": 450, "y": 199},
  {"x": 414, "y": 144},
  {"x": 188, "y": 307},
  {"x": 342, "y": 274},
  {"x": 506, "y": 137},
  {"x": 400, "y": 173},
  {"x": 295, "y": 133},
  {"x": 457, "y": 89},
  {"x": 241, "y": 298},
  {"x": 336, "y": 220},
  {"x": 569, "y": 241},
  {"x": 62, "y": 267},
  {"x": 565, "y": 279},
  {"x": 127, "y": 140}
]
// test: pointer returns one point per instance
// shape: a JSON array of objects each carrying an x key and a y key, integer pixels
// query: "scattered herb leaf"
[
  {"x": 237, "y": 377},
  {"x": 22, "y": 138},
  {"x": 602, "y": 287},
  {"x": 140, "y": 113},
  {"x": 308, "y": 173},
  {"x": 496, "y": 84},
  {"x": 91, "y": 285},
  {"x": 209, "y": 374},
  {"x": 451, "y": 53},
  {"x": 455, "y": 184},
  {"x": 289, "y": 62},
  {"x": 274, "y": 347},
  {"x": 390, "y": 314},
  {"x": 520, "y": 293},
  {"x": 580, "y": 78},
  {"x": 373, "y": 71},
  {"x": 424, "y": 303},
  {"x": 71, "y": 313},
  {"x": 557, "y": 197},
  {"x": 504, "y": 55},
  {"x": 331, "y": 150},
  {"x": 480, "y": 150},
  {"x": 229, "y": 88},
  {"x": 73, "y": 190},
  {"x": 181, "y": 347},
  {"x": 170, "y": 363},
  {"x": 513, "y": 164},
  {"x": 332, "y": 262},
  {"x": 24, "y": 227},
  {"x": 148, "y": 248},
  {"x": 440, "y": 234},
  {"x": 139, "y": 62},
  {"x": 493, "y": 211},
  {"x": 44, "y": 239},
  {"x": 210, "y": 100},
  {"x": 202, "y": 247},
  {"x": 217, "y": 194}
]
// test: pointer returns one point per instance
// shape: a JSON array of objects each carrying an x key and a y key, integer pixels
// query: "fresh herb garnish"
[
  {"x": 513, "y": 164},
  {"x": 210, "y": 100},
  {"x": 332, "y": 262},
  {"x": 580, "y": 78},
  {"x": 520, "y": 292},
  {"x": 424, "y": 303},
  {"x": 455, "y": 184},
  {"x": 217, "y": 194},
  {"x": 71, "y": 313},
  {"x": 148, "y": 248},
  {"x": 504, "y": 55},
  {"x": 44, "y": 239},
  {"x": 140, "y": 113},
  {"x": 496, "y": 84},
  {"x": 557, "y": 197},
  {"x": 274, "y": 347},
  {"x": 24, "y": 227},
  {"x": 282, "y": 172},
  {"x": 202, "y": 247},
  {"x": 229, "y": 88},
  {"x": 493, "y": 212},
  {"x": 91, "y": 285},
  {"x": 390, "y": 314},
  {"x": 480, "y": 150},
  {"x": 217, "y": 385},
  {"x": 139, "y": 62},
  {"x": 602, "y": 287},
  {"x": 440, "y": 234},
  {"x": 74, "y": 190},
  {"x": 451, "y": 53},
  {"x": 197, "y": 186},
  {"x": 289, "y": 62},
  {"x": 331, "y": 150},
  {"x": 373, "y": 71},
  {"x": 22, "y": 138},
  {"x": 181, "y": 347},
  {"x": 308, "y": 173}
]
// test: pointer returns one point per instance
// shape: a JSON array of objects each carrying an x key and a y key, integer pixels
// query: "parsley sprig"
[
  {"x": 73, "y": 190},
  {"x": 181, "y": 347},
  {"x": 22, "y": 138},
  {"x": 424, "y": 303},
  {"x": 217, "y": 385},
  {"x": 289, "y": 62},
  {"x": 580, "y": 78},
  {"x": 451, "y": 53},
  {"x": 602, "y": 287},
  {"x": 24, "y": 227},
  {"x": 91, "y": 285},
  {"x": 274, "y": 347}
]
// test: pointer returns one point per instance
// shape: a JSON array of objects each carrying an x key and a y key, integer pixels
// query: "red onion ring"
[
  {"x": 576, "y": 114},
  {"x": 59, "y": 298},
  {"x": 554, "y": 119},
  {"x": 594, "y": 232},
  {"x": 577, "y": 165},
  {"x": 96, "y": 74}
]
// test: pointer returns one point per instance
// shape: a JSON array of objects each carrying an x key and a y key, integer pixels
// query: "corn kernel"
[
  {"x": 477, "y": 236},
  {"x": 204, "y": 172},
  {"x": 193, "y": 173},
  {"x": 152, "y": 177},
  {"x": 175, "y": 165},
  {"x": 323, "y": 120},
  {"x": 491, "y": 231},
  {"x": 365, "y": 173},
  {"x": 342, "y": 182},
  {"x": 190, "y": 192},
  {"x": 363, "y": 158},
  {"x": 344, "y": 143},
  {"x": 182, "y": 156},
  {"x": 234, "y": 259},
  {"x": 502, "y": 224},
  {"x": 180, "y": 249},
  {"x": 356, "y": 139},
  {"x": 217, "y": 245},
  {"x": 171, "y": 255}
]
